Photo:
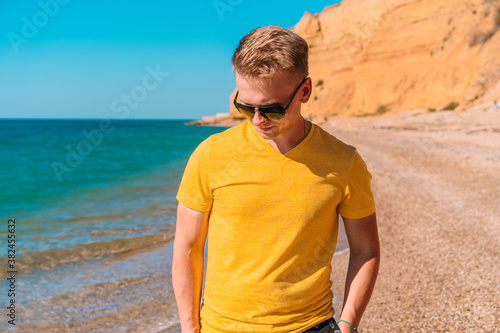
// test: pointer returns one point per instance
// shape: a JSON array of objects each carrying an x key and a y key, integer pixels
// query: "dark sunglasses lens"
[
  {"x": 273, "y": 112},
  {"x": 246, "y": 110}
]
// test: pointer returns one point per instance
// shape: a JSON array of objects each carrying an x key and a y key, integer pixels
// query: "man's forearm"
[
  {"x": 360, "y": 282},
  {"x": 187, "y": 279}
]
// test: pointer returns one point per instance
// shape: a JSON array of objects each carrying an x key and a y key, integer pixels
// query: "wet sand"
[
  {"x": 436, "y": 186},
  {"x": 120, "y": 286}
]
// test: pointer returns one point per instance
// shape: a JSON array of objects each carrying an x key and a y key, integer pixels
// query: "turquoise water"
[
  {"x": 136, "y": 166},
  {"x": 94, "y": 205}
]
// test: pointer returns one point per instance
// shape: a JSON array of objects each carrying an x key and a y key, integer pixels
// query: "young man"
[{"x": 270, "y": 191}]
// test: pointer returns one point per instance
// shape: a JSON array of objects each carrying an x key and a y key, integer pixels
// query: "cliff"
[{"x": 387, "y": 56}]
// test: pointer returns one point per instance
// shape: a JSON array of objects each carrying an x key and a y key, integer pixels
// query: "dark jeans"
[{"x": 328, "y": 326}]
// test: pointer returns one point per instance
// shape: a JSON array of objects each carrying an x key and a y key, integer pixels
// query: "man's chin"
[{"x": 267, "y": 134}]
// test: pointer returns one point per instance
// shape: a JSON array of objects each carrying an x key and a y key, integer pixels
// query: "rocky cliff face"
[{"x": 378, "y": 56}]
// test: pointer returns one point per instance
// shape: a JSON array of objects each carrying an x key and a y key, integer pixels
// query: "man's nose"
[{"x": 258, "y": 118}]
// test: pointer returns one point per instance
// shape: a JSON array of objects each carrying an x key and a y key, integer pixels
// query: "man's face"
[{"x": 278, "y": 90}]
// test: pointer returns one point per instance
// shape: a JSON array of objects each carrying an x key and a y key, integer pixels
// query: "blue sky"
[{"x": 127, "y": 59}]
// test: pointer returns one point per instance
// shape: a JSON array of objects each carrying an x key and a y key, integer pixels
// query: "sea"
[
  {"x": 93, "y": 204},
  {"x": 91, "y": 207}
]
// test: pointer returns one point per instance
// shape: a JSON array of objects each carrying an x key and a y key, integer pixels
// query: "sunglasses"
[{"x": 272, "y": 112}]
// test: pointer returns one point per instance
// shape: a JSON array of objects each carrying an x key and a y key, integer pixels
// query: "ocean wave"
[{"x": 116, "y": 249}]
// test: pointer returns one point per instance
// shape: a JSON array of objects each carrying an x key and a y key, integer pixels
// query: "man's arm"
[
  {"x": 364, "y": 261},
  {"x": 187, "y": 265}
]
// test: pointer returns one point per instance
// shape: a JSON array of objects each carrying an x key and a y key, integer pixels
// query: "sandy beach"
[{"x": 436, "y": 185}]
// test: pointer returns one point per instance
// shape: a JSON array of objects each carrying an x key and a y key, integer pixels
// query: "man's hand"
[
  {"x": 187, "y": 265},
  {"x": 364, "y": 261}
]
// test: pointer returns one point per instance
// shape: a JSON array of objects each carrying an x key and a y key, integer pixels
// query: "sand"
[{"x": 436, "y": 186}]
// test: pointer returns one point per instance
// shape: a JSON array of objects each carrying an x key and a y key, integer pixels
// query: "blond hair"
[{"x": 266, "y": 51}]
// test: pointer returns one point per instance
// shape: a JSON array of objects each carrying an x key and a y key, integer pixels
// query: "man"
[{"x": 270, "y": 191}]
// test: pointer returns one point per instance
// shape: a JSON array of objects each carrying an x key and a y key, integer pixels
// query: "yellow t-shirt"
[{"x": 273, "y": 226}]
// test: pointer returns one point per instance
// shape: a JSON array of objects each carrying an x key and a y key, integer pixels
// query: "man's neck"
[{"x": 284, "y": 144}]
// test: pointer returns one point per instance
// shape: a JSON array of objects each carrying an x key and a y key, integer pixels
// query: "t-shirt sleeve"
[
  {"x": 195, "y": 191},
  {"x": 358, "y": 198}
]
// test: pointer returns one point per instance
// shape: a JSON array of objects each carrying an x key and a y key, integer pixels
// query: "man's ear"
[{"x": 306, "y": 90}]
